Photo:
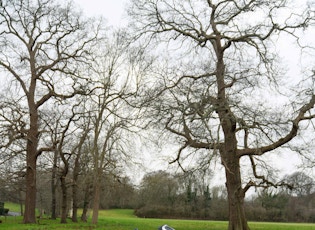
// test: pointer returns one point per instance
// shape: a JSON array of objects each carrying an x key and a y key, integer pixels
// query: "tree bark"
[
  {"x": 75, "y": 189},
  {"x": 53, "y": 188},
  {"x": 31, "y": 159},
  {"x": 63, "y": 181},
  {"x": 85, "y": 210},
  {"x": 96, "y": 199},
  {"x": 236, "y": 195},
  {"x": 86, "y": 203},
  {"x": 74, "y": 206},
  {"x": 231, "y": 163},
  {"x": 64, "y": 200},
  {"x": 30, "y": 197}
]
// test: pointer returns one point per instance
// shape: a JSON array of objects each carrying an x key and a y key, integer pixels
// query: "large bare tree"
[
  {"x": 218, "y": 80},
  {"x": 43, "y": 44}
]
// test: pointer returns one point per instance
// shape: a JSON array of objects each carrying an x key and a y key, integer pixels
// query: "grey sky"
[{"x": 112, "y": 10}]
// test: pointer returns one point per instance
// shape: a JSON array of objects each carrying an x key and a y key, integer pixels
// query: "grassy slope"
[{"x": 125, "y": 220}]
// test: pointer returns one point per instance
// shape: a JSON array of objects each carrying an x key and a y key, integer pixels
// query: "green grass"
[
  {"x": 13, "y": 207},
  {"x": 125, "y": 220}
]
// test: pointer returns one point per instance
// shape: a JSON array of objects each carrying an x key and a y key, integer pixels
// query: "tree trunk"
[
  {"x": 229, "y": 157},
  {"x": 75, "y": 188},
  {"x": 74, "y": 204},
  {"x": 31, "y": 151},
  {"x": 30, "y": 196},
  {"x": 231, "y": 163},
  {"x": 64, "y": 201},
  {"x": 84, "y": 211},
  {"x": 21, "y": 201},
  {"x": 96, "y": 199},
  {"x": 86, "y": 202},
  {"x": 237, "y": 218},
  {"x": 85, "y": 207},
  {"x": 53, "y": 188}
]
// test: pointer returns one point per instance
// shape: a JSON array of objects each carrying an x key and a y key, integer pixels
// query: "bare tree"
[
  {"x": 42, "y": 46},
  {"x": 108, "y": 111},
  {"x": 216, "y": 73}
]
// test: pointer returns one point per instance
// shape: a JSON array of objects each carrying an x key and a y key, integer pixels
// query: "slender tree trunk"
[
  {"x": 64, "y": 200},
  {"x": 53, "y": 188},
  {"x": 74, "y": 203},
  {"x": 21, "y": 201},
  {"x": 87, "y": 198},
  {"x": 75, "y": 189},
  {"x": 86, "y": 203},
  {"x": 96, "y": 198},
  {"x": 84, "y": 211}
]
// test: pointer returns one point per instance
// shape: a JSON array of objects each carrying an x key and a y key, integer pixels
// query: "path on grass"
[{"x": 13, "y": 214}]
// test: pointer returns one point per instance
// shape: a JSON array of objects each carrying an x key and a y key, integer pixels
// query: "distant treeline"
[
  {"x": 182, "y": 196},
  {"x": 164, "y": 195}
]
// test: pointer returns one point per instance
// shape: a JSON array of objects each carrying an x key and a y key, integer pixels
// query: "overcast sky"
[{"x": 112, "y": 10}]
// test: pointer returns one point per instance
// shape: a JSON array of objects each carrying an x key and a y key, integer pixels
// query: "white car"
[{"x": 165, "y": 227}]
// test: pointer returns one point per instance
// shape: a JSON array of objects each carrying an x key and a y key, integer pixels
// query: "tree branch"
[{"x": 293, "y": 132}]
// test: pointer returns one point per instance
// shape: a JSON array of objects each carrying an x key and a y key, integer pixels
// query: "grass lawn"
[{"x": 125, "y": 220}]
